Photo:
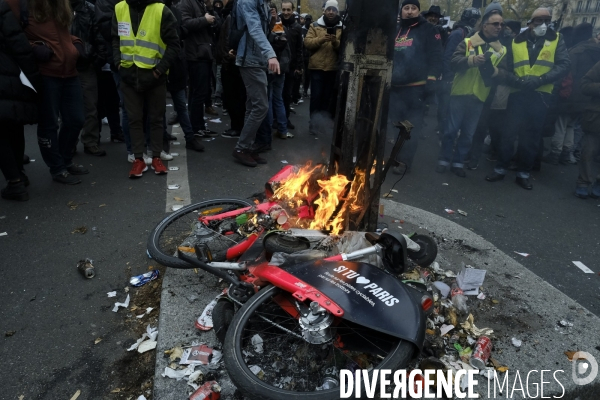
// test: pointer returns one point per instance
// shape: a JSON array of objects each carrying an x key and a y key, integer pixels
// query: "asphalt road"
[{"x": 56, "y": 314}]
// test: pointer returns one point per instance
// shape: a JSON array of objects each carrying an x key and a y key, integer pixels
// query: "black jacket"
[
  {"x": 178, "y": 74},
  {"x": 583, "y": 58},
  {"x": 420, "y": 54},
  {"x": 104, "y": 11},
  {"x": 199, "y": 41},
  {"x": 85, "y": 27},
  {"x": 296, "y": 43},
  {"x": 17, "y": 102},
  {"x": 142, "y": 78}
]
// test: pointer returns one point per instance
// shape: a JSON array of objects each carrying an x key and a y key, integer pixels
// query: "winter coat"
[
  {"x": 254, "y": 49},
  {"x": 62, "y": 64},
  {"x": 417, "y": 56},
  {"x": 178, "y": 74},
  {"x": 590, "y": 86},
  {"x": 457, "y": 36},
  {"x": 104, "y": 10},
  {"x": 85, "y": 27},
  {"x": 199, "y": 40},
  {"x": 222, "y": 55},
  {"x": 295, "y": 40},
  {"x": 583, "y": 57},
  {"x": 461, "y": 63},
  {"x": 17, "y": 102},
  {"x": 324, "y": 56},
  {"x": 141, "y": 78}
]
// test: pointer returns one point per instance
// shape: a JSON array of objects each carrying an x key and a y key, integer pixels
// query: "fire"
[{"x": 333, "y": 199}]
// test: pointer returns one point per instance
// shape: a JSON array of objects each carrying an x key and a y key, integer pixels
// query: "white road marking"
[
  {"x": 178, "y": 178},
  {"x": 582, "y": 267}
]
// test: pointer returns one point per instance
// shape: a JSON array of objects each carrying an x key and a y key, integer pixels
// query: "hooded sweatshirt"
[{"x": 417, "y": 53}]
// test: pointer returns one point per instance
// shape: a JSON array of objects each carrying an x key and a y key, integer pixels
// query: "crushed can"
[
  {"x": 481, "y": 355},
  {"x": 209, "y": 391},
  {"x": 86, "y": 268},
  {"x": 141, "y": 280}
]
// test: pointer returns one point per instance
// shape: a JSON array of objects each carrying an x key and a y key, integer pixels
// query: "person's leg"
[
  {"x": 134, "y": 104},
  {"x": 219, "y": 83},
  {"x": 296, "y": 87},
  {"x": 257, "y": 105},
  {"x": 47, "y": 129},
  {"x": 531, "y": 138},
  {"x": 280, "y": 116},
  {"x": 443, "y": 91},
  {"x": 416, "y": 109},
  {"x": 288, "y": 86},
  {"x": 560, "y": 132},
  {"x": 124, "y": 116},
  {"x": 316, "y": 81},
  {"x": 470, "y": 121},
  {"x": 590, "y": 144},
  {"x": 111, "y": 106},
  {"x": 456, "y": 114},
  {"x": 178, "y": 98},
  {"x": 11, "y": 153},
  {"x": 516, "y": 115},
  {"x": 90, "y": 136},
  {"x": 567, "y": 147},
  {"x": 577, "y": 136},
  {"x": 238, "y": 101},
  {"x": 481, "y": 133},
  {"x": 198, "y": 90},
  {"x": 306, "y": 81},
  {"x": 156, "y": 103},
  {"x": 72, "y": 118}
]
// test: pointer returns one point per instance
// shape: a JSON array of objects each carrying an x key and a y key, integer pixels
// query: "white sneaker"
[
  {"x": 165, "y": 156},
  {"x": 147, "y": 159},
  {"x": 130, "y": 158}
]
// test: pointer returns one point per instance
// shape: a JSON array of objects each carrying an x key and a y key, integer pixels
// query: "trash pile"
[{"x": 453, "y": 341}]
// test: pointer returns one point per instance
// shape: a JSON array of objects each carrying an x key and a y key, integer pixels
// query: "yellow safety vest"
[
  {"x": 470, "y": 82},
  {"x": 146, "y": 48},
  {"x": 543, "y": 64}
]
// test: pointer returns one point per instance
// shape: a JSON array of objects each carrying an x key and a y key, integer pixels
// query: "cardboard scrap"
[{"x": 470, "y": 327}]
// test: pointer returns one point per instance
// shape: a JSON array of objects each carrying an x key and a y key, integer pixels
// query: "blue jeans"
[
  {"x": 59, "y": 97},
  {"x": 463, "y": 115},
  {"x": 526, "y": 113},
  {"x": 276, "y": 106},
  {"x": 178, "y": 98}
]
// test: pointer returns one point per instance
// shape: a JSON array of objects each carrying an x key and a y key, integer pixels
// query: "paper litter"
[{"x": 124, "y": 305}]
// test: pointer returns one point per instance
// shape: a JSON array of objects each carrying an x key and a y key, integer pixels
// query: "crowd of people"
[{"x": 68, "y": 64}]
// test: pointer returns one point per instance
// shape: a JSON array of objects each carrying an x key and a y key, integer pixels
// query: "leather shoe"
[
  {"x": 524, "y": 183},
  {"x": 459, "y": 172},
  {"x": 494, "y": 177}
]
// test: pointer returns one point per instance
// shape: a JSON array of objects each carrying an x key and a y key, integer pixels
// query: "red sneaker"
[
  {"x": 158, "y": 167},
  {"x": 138, "y": 168}
]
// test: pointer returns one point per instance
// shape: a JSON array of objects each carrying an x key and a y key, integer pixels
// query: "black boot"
[{"x": 15, "y": 191}]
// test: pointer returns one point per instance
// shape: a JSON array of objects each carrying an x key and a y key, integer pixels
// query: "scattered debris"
[
  {"x": 522, "y": 254},
  {"x": 124, "y": 305},
  {"x": 173, "y": 168},
  {"x": 81, "y": 229},
  {"x": 86, "y": 268},
  {"x": 469, "y": 326},
  {"x": 142, "y": 345},
  {"x": 112, "y": 294},
  {"x": 173, "y": 187},
  {"x": 209, "y": 391},
  {"x": 571, "y": 354},
  {"x": 102, "y": 205},
  {"x": 445, "y": 329},
  {"x": 449, "y": 211},
  {"x": 175, "y": 208},
  {"x": 565, "y": 323},
  {"x": 178, "y": 374},
  {"x": 178, "y": 198},
  {"x": 257, "y": 342},
  {"x": 3, "y": 234},
  {"x": 98, "y": 340},
  {"x": 256, "y": 370},
  {"x": 215, "y": 121},
  {"x": 582, "y": 267},
  {"x": 481, "y": 296},
  {"x": 461, "y": 212},
  {"x": 388, "y": 195},
  {"x": 76, "y": 395},
  {"x": 9, "y": 333},
  {"x": 470, "y": 279},
  {"x": 148, "y": 311},
  {"x": 197, "y": 355},
  {"x": 284, "y": 161},
  {"x": 204, "y": 321},
  {"x": 141, "y": 280},
  {"x": 444, "y": 184},
  {"x": 72, "y": 205},
  {"x": 516, "y": 342},
  {"x": 395, "y": 190}
]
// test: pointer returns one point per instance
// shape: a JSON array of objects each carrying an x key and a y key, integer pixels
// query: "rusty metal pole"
[{"x": 363, "y": 98}]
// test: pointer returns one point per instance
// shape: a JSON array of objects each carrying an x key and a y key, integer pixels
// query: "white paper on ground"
[
  {"x": 26, "y": 81},
  {"x": 582, "y": 267},
  {"x": 146, "y": 345},
  {"x": 522, "y": 254},
  {"x": 257, "y": 342},
  {"x": 3, "y": 234},
  {"x": 215, "y": 121},
  {"x": 112, "y": 294},
  {"x": 142, "y": 397},
  {"x": 124, "y": 305},
  {"x": 470, "y": 279},
  {"x": 445, "y": 329},
  {"x": 205, "y": 321},
  {"x": 178, "y": 374}
]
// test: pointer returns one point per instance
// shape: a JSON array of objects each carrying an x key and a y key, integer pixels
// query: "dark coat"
[
  {"x": 590, "y": 86},
  {"x": 199, "y": 41},
  {"x": 17, "y": 102},
  {"x": 141, "y": 78},
  {"x": 178, "y": 74},
  {"x": 85, "y": 27},
  {"x": 583, "y": 57},
  {"x": 222, "y": 52},
  {"x": 104, "y": 11},
  {"x": 421, "y": 55},
  {"x": 296, "y": 43}
]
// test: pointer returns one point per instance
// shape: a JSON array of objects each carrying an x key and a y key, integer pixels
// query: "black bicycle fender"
[{"x": 368, "y": 296}]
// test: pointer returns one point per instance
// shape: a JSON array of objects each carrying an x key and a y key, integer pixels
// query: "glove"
[
  {"x": 529, "y": 83},
  {"x": 42, "y": 52},
  {"x": 487, "y": 71}
]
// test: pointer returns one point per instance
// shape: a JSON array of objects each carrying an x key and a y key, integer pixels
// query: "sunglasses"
[
  {"x": 496, "y": 24},
  {"x": 540, "y": 21}
]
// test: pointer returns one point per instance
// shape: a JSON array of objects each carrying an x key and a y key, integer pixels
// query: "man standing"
[
  {"x": 254, "y": 56},
  {"x": 538, "y": 60},
  {"x": 198, "y": 44},
  {"x": 295, "y": 41},
  {"x": 474, "y": 61},
  {"x": 145, "y": 44}
]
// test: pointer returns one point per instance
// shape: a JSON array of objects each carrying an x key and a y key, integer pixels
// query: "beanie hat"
[
  {"x": 413, "y": 2},
  {"x": 331, "y": 3},
  {"x": 493, "y": 7}
]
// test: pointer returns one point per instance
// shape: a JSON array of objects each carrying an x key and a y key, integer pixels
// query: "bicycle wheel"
[
  {"x": 291, "y": 368},
  {"x": 428, "y": 252},
  {"x": 182, "y": 229}
]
